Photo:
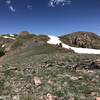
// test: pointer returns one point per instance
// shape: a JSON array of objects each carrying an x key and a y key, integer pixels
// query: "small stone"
[
  {"x": 50, "y": 82},
  {"x": 73, "y": 78},
  {"x": 50, "y": 97},
  {"x": 71, "y": 98},
  {"x": 97, "y": 60},
  {"x": 80, "y": 77},
  {"x": 16, "y": 97},
  {"x": 97, "y": 77},
  {"x": 48, "y": 65},
  {"x": 37, "y": 81},
  {"x": 97, "y": 98},
  {"x": 94, "y": 80},
  {"x": 94, "y": 93},
  {"x": 61, "y": 63},
  {"x": 42, "y": 98}
]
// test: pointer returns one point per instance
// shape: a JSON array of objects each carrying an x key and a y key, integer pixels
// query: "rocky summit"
[{"x": 82, "y": 39}]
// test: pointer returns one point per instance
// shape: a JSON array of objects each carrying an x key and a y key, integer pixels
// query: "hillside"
[
  {"x": 82, "y": 39},
  {"x": 32, "y": 69}
]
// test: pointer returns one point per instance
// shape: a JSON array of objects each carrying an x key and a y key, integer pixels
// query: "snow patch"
[
  {"x": 3, "y": 45},
  {"x": 55, "y": 40},
  {"x": 12, "y": 35},
  {"x": 6, "y": 37}
]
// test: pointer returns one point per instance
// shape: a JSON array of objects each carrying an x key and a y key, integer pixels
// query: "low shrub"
[{"x": 2, "y": 52}]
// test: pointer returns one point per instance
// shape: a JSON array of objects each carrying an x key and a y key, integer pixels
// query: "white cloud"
[
  {"x": 53, "y": 3},
  {"x": 69, "y": 2},
  {"x": 11, "y": 8},
  {"x": 8, "y": 2},
  {"x": 29, "y": 7}
]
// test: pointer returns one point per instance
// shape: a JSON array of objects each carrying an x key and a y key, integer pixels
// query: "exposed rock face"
[
  {"x": 82, "y": 39},
  {"x": 24, "y": 33}
]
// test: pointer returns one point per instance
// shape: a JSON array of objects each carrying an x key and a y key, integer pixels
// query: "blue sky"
[{"x": 55, "y": 17}]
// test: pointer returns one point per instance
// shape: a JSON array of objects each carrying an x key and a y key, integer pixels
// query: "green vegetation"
[
  {"x": 26, "y": 38},
  {"x": 2, "y": 52},
  {"x": 55, "y": 68},
  {"x": 53, "y": 64}
]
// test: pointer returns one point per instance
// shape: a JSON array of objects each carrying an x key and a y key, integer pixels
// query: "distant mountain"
[
  {"x": 12, "y": 42},
  {"x": 82, "y": 39},
  {"x": 23, "y": 40}
]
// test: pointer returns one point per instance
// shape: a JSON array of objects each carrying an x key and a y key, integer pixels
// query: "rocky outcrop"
[
  {"x": 89, "y": 64},
  {"x": 82, "y": 39}
]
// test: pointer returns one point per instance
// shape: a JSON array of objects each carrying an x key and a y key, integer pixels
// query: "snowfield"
[{"x": 55, "y": 40}]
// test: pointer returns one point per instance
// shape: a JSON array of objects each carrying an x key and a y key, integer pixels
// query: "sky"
[{"x": 55, "y": 17}]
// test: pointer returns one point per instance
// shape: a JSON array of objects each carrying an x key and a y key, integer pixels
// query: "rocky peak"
[{"x": 82, "y": 39}]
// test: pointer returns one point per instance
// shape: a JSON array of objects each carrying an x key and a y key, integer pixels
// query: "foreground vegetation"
[
  {"x": 32, "y": 74},
  {"x": 31, "y": 69}
]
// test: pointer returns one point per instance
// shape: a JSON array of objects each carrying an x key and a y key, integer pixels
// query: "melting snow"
[{"x": 56, "y": 40}]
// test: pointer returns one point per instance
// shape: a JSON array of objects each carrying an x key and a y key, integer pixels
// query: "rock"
[
  {"x": 97, "y": 77},
  {"x": 37, "y": 81},
  {"x": 94, "y": 80},
  {"x": 51, "y": 97},
  {"x": 5, "y": 98},
  {"x": 7, "y": 49},
  {"x": 42, "y": 98},
  {"x": 80, "y": 77},
  {"x": 48, "y": 65},
  {"x": 94, "y": 93},
  {"x": 74, "y": 78},
  {"x": 82, "y": 39},
  {"x": 61, "y": 63},
  {"x": 16, "y": 97},
  {"x": 94, "y": 65},
  {"x": 89, "y": 65},
  {"x": 24, "y": 33},
  {"x": 97, "y": 98},
  {"x": 50, "y": 82},
  {"x": 12, "y": 68},
  {"x": 71, "y": 98},
  {"x": 98, "y": 60}
]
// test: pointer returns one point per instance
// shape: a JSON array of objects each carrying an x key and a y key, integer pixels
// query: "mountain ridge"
[{"x": 25, "y": 39}]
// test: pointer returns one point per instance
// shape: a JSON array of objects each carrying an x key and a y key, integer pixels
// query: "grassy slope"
[
  {"x": 18, "y": 67},
  {"x": 48, "y": 63}
]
